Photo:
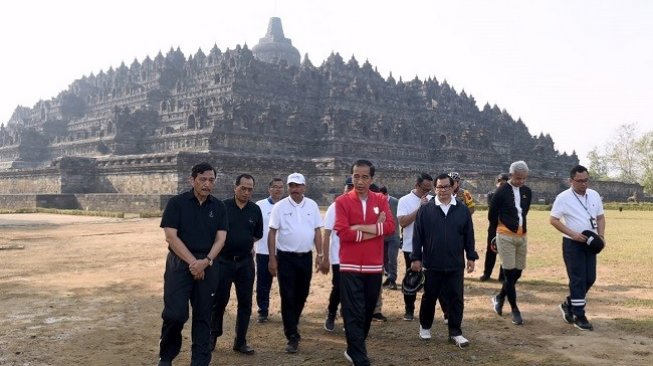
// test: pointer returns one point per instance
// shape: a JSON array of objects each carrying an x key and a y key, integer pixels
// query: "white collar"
[{"x": 438, "y": 203}]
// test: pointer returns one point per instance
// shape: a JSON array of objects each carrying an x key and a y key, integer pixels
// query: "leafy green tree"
[
  {"x": 622, "y": 153},
  {"x": 644, "y": 148},
  {"x": 598, "y": 164}
]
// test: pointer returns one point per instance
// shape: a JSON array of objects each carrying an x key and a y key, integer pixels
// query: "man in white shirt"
[
  {"x": 331, "y": 243},
  {"x": 406, "y": 213},
  {"x": 574, "y": 211},
  {"x": 295, "y": 225},
  {"x": 263, "y": 278}
]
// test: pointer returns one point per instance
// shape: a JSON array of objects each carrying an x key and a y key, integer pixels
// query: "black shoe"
[
  {"x": 213, "y": 339},
  {"x": 567, "y": 316},
  {"x": 409, "y": 316},
  {"x": 244, "y": 349},
  {"x": 293, "y": 345},
  {"x": 497, "y": 304},
  {"x": 378, "y": 317},
  {"x": 330, "y": 323},
  {"x": 262, "y": 318},
  {"x": 516, "y": 318},
  {"x": 582, "y": 323},
  {"x": 390, "y": 285},
  {"x": 484, "y": 278},
  {"x": 165, "y": 363}
]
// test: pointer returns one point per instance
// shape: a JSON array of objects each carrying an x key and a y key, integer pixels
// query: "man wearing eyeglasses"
[
  {"x": 443, "y": 237},
  {"x": 575, "y": 210},
  {"x": 236, "y": 262},
  {"x": 406, "y": 213},
  {"x": 195, "y": 226}
]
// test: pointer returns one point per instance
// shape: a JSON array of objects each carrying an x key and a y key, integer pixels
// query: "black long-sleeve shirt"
[{"x": 441, "y": 241}]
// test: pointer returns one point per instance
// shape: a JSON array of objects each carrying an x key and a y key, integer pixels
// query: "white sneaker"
[
  {"x": 459, "y": 341},
  {"x": 348, "y": 357},
  {"x": 424, "y": 333}
]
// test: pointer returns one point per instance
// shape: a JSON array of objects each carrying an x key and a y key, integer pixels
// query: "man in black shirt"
[
  {"x": 236, "y": 262},
  {"x": 195, "y": 225}
]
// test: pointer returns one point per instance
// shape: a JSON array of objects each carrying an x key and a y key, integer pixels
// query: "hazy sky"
[{"x": 573, "y": 69}]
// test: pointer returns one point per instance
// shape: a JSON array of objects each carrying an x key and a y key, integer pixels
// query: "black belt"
[
  {"x": 294, "y": 254},
  {"x": 234, "y": 258}
]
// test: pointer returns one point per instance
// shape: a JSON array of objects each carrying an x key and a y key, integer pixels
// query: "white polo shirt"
[
  {"x": 261, "y": 246},
  {"x": 334, "y": 245},
  {"x": 407, "y": 205},
  {"x": 295, "y": 224},
  {"x": 568, "y": 207}
]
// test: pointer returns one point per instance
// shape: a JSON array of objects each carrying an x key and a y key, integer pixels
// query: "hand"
[
  {"x": 493, "y": 244},
  {"x": 470, "y": 266},
  {"x": 198, "y": 266},
  {"x": 416, "y": 266},
  {"x": 324, "y": 265},
  {"x": 199, "y": 276},
  {"x": 424, "y": 200},
  {"x": 355, "y": 227},
  {"x": 272, "y": 265},
  {"x": 579, "y": 237},
  {"x": 381, "y": 218}
]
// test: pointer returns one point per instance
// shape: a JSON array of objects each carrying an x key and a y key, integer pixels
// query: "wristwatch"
[{"x": 210, "y": 261}]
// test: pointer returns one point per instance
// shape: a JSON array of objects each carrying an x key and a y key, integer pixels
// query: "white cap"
[{"x": 296, "y": 178}]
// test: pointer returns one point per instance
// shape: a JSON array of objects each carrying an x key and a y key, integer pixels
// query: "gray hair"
[{"x": 518, "y": 166}]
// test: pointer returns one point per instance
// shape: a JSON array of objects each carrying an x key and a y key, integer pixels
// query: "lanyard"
[{"x": 581, "y": 202}]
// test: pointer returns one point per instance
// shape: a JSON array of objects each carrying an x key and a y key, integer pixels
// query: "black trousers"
[
  {"x": 334, "y": 296},
  {"x": 409, "y": 300},
  {"x": 240, "y": 272},
  {"x": 581, "y": 270},
  {"x": 359, "y": 294},
  {"x": 263, "y": 284},
  {"x": 179, "y": 287},
  {"x": 443, "y": 285},
  {"x": 294, "y": 272}
]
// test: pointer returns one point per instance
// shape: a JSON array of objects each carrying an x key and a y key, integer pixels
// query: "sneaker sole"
[
  {"x": 460, "y": 345},
  {"x": 348, "y": 358},
  {"x": 329, "y": 330},
  {"x": 564, "y": 314},
  {"x": 494, "y": 306},
  {"x": 584, "y": 329}
]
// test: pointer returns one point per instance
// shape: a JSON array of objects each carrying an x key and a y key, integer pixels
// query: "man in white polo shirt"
[
  {"x": 295, "y": 225},
  {"x": 575, "y": 213},
  {"x": 406, "y": 213}
]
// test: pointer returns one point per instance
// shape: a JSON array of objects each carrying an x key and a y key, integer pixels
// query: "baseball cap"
[
  {"x": 594, "y": 241},
  {"x": 349, "y": 182},
  {"x": 454, "y": 175},
  {"x": 296, "y": 178}
]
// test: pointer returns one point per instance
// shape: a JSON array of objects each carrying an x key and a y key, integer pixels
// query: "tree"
[
  {"x": 598, "y": 166},
  {"x": 644, "y": 149},
  {"x": 622, "y": 153}
]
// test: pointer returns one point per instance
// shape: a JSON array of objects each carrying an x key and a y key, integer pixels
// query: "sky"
[{"x": 574, "y": 69}]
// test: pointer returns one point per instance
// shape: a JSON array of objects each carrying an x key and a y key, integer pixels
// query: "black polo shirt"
[
  {"x": 196, "y": 224},
  {"x": 245, "y": 227}
]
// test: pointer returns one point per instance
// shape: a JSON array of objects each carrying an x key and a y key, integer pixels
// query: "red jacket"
[{"x": 356, "y": 254}]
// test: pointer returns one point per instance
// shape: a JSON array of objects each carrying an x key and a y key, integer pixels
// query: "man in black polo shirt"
[
  {"x": 236, "y": 262},
  {"x": 195, "y": 225}
]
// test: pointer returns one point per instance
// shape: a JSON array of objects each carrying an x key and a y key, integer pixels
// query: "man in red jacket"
[{"x": 362, "y": 219}]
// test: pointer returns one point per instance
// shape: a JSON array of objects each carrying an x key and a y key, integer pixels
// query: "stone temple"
[{"x": 134, "y": 131}]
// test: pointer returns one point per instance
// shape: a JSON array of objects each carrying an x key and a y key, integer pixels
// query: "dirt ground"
[{"x": 88, "y": 291}]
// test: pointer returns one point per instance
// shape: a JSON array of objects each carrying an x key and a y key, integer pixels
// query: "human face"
[
  {"x": 296, "y": 191},
  {"x": 518, "y": 179},
  {"x": 443, "y": 189},
  {"x": 424, "y": 188},
  {"x": 243, "y": 191},
  {"x": 276, "y": 190},
  {"x": 580, "y": 182},
  {"x": 203, "y": 184},
  {"x": 362, "y": 179}
]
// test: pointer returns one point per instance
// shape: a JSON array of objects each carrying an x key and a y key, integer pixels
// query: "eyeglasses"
[
  {"x": 444, "y": 188},
  {"x": 581, "y": 180}
]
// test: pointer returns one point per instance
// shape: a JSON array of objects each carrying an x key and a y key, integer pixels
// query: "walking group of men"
[{"x": 214, "y": 244}]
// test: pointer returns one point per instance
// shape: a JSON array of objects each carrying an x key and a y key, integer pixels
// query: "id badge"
[{"x": 593, "y": 222}]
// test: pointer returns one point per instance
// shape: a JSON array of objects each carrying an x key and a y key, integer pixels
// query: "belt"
[
  {"x": 234, "y": 258},
  {"x": 294, "y": 254}
]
